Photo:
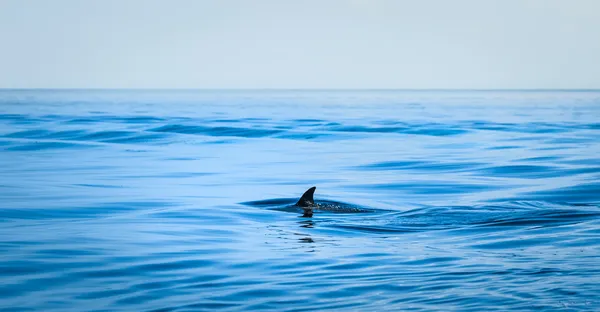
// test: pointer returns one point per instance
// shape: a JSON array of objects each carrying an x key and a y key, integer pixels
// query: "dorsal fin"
[{"x": 307, "y": 198}]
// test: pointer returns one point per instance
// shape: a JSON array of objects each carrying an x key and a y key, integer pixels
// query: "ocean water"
[{"x": 165, "y": 200}]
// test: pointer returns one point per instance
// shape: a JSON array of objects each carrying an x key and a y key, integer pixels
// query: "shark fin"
[{"x": 307, "y": 198}]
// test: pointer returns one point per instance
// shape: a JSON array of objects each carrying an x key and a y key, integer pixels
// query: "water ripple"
[{"x": 122, "y": 200}]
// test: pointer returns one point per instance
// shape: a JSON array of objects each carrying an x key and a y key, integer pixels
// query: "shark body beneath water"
[
  {"x": 434, "y": 217},
  {"x": 307, "y": 205}
]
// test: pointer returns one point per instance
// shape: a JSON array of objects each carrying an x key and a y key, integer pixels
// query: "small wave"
[
  {"x": 28, "y": 134},
  {"x": 464, "y": 218},
  {"x": 314, "y": 136},
  {"x": 239, "y": 120},
  {"x": 421, "y": 165},
  {"x": 155, "y": 138},
  {"x": 538, "y": 159},
  {"x": 531, "y": 128},
  {"x": 87, "y": 212},
  {"x": 137, "y": 119},
  {"x": 438, "y": 130},
  {"x": 504, "y": 147},
  {"x": 39, "y": 146},
  {"x": 103, "y": 118},
  {"x": 430, "y": 187},
  {"x": 270, "y": 202},
  {"x": 99, "y": 136},
  {"x": 520, "y": 171},
  {"x": 81, "y": 121},
  {"x": 13, "y": 117},
  {"x": 46, "y": 139},
  {"x": 570, "y": 140},
  {"x": 217, "y": 131},
  {"x": 309, "y": 121},
  {"x": 64, "y": 135},
  {"x": 581, "y": 193}
]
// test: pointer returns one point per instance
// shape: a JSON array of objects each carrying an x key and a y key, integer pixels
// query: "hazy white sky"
[{"x": 300, "y": 44}]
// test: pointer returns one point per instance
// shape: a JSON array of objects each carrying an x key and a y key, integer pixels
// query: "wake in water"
[{"x": 527, "y": 214}]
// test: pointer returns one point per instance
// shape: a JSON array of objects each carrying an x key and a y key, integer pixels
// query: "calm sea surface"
[{"x": 139, "y": 200}]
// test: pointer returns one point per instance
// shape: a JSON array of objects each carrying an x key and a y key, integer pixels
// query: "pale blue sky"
[{"x": 300, "y": 44}]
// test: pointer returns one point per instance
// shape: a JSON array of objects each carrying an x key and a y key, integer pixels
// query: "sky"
[{"x": 272, "y": 44}]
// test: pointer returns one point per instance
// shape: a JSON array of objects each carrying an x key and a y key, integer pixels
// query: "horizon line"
[{"x": 302, "y": 89}]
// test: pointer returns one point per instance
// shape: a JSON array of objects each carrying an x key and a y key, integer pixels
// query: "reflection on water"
[{"x": 307, "y": 224}]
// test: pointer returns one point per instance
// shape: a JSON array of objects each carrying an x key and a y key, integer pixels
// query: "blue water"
[{"x": 151, "y": 200}]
